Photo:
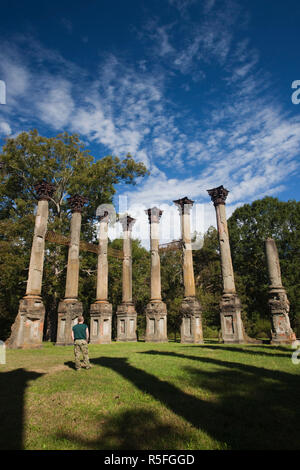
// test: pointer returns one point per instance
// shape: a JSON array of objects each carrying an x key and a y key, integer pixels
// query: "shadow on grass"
[
  {"x": 136, "y": 429},
  {"x": 70, "y": 364},
  {"x": 254, "y": 407},
  {"x": 250, "y": 350},
  {"x": 247, "y": 407},
  {"x": 12, "y": 390}
]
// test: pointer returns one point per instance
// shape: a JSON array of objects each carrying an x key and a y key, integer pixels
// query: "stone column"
[
  {"x": 190, "y": 309},
  {"x": 27, "y": 330},
  {"x": 278, "y": 303},
  {"x": 126, "y": 314},
  {"x": 156, "y": 310},
  {"x": 69, "y": 309},
  {"x": 101, "y": 310},
  {"x": 230, "y": 307}
]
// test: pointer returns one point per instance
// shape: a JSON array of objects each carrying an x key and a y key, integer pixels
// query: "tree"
[
  {"x": 249, "y": 226},
  {"x": 172, "y": 287},
  {"x": 64, "y": 161},
  {"x": 208, "y": 281},
  {"x": 140, "y": 280}
]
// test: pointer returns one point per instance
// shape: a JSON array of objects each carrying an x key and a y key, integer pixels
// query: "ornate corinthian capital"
[
  {"x": 44, "y": 190},
  {"x": 218, "y": 195}
]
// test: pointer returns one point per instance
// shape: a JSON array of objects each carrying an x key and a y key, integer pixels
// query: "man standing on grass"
[{"x": 80, "y": 336}]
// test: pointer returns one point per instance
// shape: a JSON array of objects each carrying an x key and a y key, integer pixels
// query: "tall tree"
[
  {"x": 249, "y": 226},
  {"x": 64, "y": 161}
]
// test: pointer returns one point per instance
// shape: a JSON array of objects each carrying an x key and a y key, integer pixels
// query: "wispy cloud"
[{"x": 240, "y": 136}]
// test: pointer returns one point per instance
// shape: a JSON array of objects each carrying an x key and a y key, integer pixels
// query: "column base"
[
  {"x": 68, "y": 312},
  {"x": 156, "y": 322},
  {"x": 126, "y": 322},
  {"x": 231, "y": 321},
  {"x": 191, "y": 325},
  {"x": 279, "y": 307},
  {"x": 101, "y": 323},
  {"x": 27, "y": 330}
]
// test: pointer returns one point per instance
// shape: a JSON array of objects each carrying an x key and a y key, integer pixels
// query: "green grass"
[{"x": 151, "y": 396}]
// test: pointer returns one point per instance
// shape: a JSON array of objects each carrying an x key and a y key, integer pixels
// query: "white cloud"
[
  {"x": 5, "y": 128},
  {"x": 55, "y": 105},
  {"x": 241, "y": 139}
]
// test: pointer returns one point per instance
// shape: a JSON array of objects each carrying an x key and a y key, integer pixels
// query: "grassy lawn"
[{"x": 151, "y": 396}]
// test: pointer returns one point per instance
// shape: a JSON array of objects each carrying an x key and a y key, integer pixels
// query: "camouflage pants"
[{"x": 81, "y": 346}]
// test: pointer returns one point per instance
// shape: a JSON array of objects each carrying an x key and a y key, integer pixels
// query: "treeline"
[{"x": 29, "y": 158}]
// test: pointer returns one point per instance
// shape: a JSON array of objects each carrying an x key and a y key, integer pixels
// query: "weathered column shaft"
[
  {"x": 155, "y": 262},
  {"x": 101, "y": 310},
  {"x": 27, "y": 330},
  {"x": 127, "y": 268},
  {"x": 35, "y": 275},
  {"x": 126, "y": 314},
  {"x": 188, "y": 269},
  {"x": 226, "y": 261},
  {"x": 273, "y": 264},
  {"x": 70, "y": 308},
  {"x": 190, "y": 308},
  {"x": 102, "y": 271},
  {"x": 156, "y": 310},
  {"x": 73, "y": 258}
]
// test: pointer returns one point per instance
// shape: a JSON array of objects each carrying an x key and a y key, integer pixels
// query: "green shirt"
[{"x": 79, "y": 331}]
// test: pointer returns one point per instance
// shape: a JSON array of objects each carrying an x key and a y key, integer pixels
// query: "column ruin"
[
  {"x": 101, "y": 310},
  {"x": 190, "y": 309},
  {"x": 27, "y": 330},
  {"x": 278, "y": 302},
  {"x": 156, "y": 310},
  {"x": 230, "y": 306},
  {"x": 126, "y": 313},
  {"x": 69, "y": 309}
]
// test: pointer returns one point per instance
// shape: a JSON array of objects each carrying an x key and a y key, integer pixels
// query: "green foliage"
[
  {"x": 140, "y": 281},
  {"x": 249, "y": 226},
  {"x": 64, "y": 161},
  {"x": 208, "y": 278},
  {"x": 172, "y": 288}
]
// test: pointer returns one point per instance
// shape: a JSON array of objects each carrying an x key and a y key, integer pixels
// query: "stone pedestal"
[
  {"x": 191, "y": 326},
  {"x": 231, "y": 321},
  {"x": 126, "y": 322},
  {"x": 190, "y": 309},
  {"x": 68, "y": 313},
  {"x": 100, "y": 323},
  {"x": 278, "y": 302},
  {"x": 279, "y": 307},
  {"x": 27, "y": 330},
  {"x": 156, "y": 322}
]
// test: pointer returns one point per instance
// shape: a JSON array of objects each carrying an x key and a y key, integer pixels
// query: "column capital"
[
  {"x": 154, "y": 214},
  {"x": 103, "y": 217},
  {"x": 44, "y": 190},
  {"x": 184, "y": 205},
  {"x": 127, "y": 222},
  {"x": 77, "y": 202},
  {"x": 218, "y": 195}
]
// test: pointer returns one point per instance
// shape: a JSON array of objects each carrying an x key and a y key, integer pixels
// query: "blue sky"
[{"x": 200, "y": 91}]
